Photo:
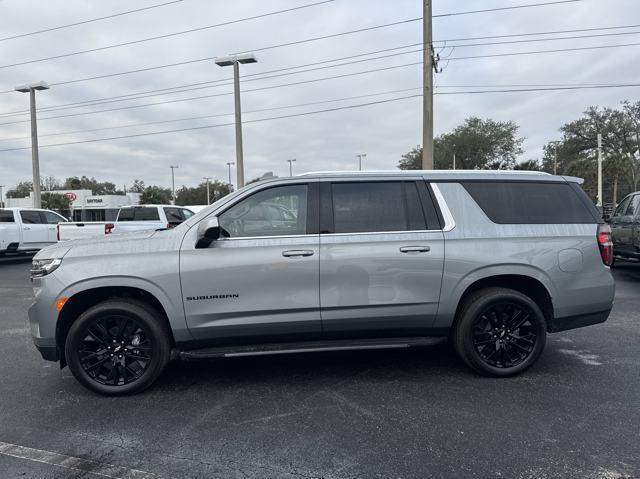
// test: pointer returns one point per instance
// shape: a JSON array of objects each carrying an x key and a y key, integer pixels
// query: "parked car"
[
  {"x": 625, "y": 228},
  {"x": 27, "y": 229},
  {"x": 350, "y": 261},
  {"x": 130, "y": 218}
]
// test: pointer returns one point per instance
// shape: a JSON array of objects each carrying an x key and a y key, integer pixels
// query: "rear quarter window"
[
  {"x": 531, "y": 203},
  {"x": 6, "y": 216}
]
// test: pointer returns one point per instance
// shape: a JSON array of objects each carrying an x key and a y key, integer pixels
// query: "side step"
[{"x": 309, "y": 347}]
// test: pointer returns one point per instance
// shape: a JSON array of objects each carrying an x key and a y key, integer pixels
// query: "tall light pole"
[
  {"x": 207, "y": 179},
  {"x": 229, "y": 165},
  {"x": 291, "y": 166},
  {"x": 555, "y": 157},
  {"x": 600, "y": 169},
  {"x": 427, "y": 93},
  {"x": 173, "y": 185},
  {"x": 454, "y": 157},
  {"x": 35, "y": 160},
  {"x": 235, "y": 61},
  {"x": 360, "y": 157},
  {"x": 1, "y": 197}
]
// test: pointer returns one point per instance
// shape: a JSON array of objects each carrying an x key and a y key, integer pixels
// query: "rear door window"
[
  {"x": 634, "y": 206},
  {"x": 519, "y": 202},
  {"x": 368, "y": 207},
  {"x": 6, "y": 216},
  {"x": 139, "y": 214}
]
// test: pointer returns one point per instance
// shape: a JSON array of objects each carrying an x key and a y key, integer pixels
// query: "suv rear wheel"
[
  {"x": 118, "y": 347},
  {"x": 499, "y": 332}
]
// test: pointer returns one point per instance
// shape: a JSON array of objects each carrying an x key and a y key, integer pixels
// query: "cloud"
[{"x": 318, "y": 142}]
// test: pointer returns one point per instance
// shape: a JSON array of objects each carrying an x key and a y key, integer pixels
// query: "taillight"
[
  {"x": 605, "y": 244},
  {"x": 108, "y": 228}
]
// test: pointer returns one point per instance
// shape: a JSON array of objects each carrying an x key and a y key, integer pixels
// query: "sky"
[{"x": 328, "y": 140}]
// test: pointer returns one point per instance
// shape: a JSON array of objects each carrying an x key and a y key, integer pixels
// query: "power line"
[
  {"x": 513, "y": 7},
  {"x": 558, "y": 50},
  {"x": 192, "y": 30},
  {"x": 344, "y": 75},
  {"x": 167, "y": 35},
  {"x": 323, "y": 37},
  {"x": 292, "y": 115},
  {"x": 526, "y": 87},
  {"x": 130, "y": 125},
  {"x": 209, "y": 84},
  {"x": 295, "y": 115},
  {"x": 91, "y": 20}
]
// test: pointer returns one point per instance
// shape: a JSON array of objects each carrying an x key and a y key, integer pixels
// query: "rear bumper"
[{"x": 579, "y": 321}]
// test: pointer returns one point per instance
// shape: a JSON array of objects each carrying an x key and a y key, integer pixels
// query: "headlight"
[{"x": 42, "y": 267}]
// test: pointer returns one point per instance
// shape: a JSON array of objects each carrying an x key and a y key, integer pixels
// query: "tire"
[
  {"x": 118, "y": 347},
  {"x": 487, "y": 335}
]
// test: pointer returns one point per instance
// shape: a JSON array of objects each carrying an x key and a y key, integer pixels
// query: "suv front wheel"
[
  {"x": 499, "y": 332},
  {"x": 118, "y": 347}
]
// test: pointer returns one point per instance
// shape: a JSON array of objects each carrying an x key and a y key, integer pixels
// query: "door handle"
[
  {"x": 26, "y": 228},
  {"x": 294, "y": 253},
  {"x": 415, "y": 249}
]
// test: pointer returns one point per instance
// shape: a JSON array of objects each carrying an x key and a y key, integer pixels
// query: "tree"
[
  {"x": 56, "y": 201},
  {"x": 186, "y": 196},
  {"x": 86, "y": 183},
  {"x": 21, "y": 190},
  {"x": 528, "y": 165},
  {"x": 138, "y": 186},
  {"x": 50, "y": 183},
  {"x": 156, "y": 195},
  {"x": 577, "y": 150},
  {"x": 478, "y": 144}
]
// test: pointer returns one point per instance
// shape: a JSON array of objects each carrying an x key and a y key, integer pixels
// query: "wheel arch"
[
  {"x": 84, "y": 299},
  {"x": 526, "y": 284}
]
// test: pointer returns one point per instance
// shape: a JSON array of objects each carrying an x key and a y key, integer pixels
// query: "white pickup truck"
[
  {"x": 27, "y": 229},
  {"x": 130, "y": 218}
]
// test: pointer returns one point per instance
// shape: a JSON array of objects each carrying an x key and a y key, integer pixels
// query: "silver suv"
[{"x": 332, "y": 261}]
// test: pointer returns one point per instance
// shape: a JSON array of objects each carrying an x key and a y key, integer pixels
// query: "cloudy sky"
[{"x": 319, "y": 141}]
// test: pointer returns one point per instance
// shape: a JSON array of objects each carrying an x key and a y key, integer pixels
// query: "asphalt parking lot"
[{"x": 416, "y": 413}]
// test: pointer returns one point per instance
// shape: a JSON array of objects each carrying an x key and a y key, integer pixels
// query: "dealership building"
[{"x": 85, "y": 206}]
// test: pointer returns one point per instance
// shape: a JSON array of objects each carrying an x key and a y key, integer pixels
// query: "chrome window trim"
[
  {"x": 449, "y": 222},
  {"x": 267, "y": 237},
  {"x": 380, "y": 232}
]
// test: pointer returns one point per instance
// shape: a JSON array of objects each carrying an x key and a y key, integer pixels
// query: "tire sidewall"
[
  {"x": 156, "y": 333},
  {"x": 480, "y": 305}
]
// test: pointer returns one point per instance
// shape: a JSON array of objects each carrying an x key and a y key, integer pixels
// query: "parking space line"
[{"x": 75, "y": 463}]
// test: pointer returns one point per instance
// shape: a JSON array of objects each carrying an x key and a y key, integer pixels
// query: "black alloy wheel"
[
  {"x": 503, "y": 334},
  {"x": 118, "y": 347},
  {"x": 499, "y": 331}
]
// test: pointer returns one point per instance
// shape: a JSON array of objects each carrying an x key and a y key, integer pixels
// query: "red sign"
[{"x": 71, "y": 196}]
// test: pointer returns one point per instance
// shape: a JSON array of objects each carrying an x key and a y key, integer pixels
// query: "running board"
[{"x": 309, "y": 347}]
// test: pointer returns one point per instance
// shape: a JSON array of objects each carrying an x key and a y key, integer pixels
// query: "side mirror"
[{"x": 209, "y": 229}]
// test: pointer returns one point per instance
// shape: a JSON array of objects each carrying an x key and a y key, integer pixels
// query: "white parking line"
[{"x": 70, "y": 462}]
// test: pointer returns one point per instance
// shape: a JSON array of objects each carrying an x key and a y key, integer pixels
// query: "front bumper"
[{"x": 43, "y": 316}]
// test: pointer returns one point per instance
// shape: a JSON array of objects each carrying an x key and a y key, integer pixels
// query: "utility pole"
[
  {"x": 599, "y": 169},
  {"x": 35, "y": 160},
  {"x": 229, "y": 165},
  {"x": 427, "y": 93},
  {"x": 360, "y": 157},
  {"x": 291, "y": 166},
  {"x": 1, "y": 197},
  {"x": 207, "y": 179},
  {"x": 235, "y": 61},
  {"x": 555, "y": 157},
  {"x": 173, "y": 185}
]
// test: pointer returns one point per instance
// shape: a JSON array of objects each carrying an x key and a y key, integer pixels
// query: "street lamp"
[
  {"x": 360, "y": 157},
  {"x": 229, "y": 165},
  {"x": 291, "y": 166},
  {"x": 235, "y": 61},
  {"x": 1, "y": 197},
  {"x": 173, "y": 185},
  {"x": 31, "y": 89},
  {"x": 207, "y": 179}
]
